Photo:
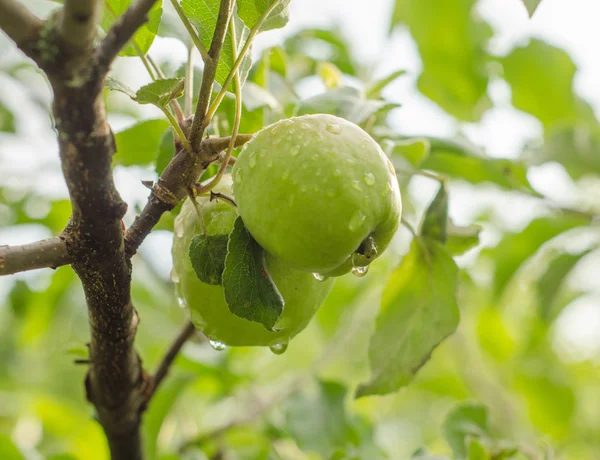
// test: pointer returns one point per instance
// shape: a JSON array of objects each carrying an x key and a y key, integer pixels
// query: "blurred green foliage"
[{"x": 503, "y": 385}]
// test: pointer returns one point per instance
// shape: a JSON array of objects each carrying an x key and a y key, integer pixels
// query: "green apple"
[
  {"x": 209, "y": 312},
  {"x": 317, "y": 192}
]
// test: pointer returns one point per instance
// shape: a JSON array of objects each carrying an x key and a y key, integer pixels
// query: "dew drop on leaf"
[
  {"x": 334, "y": 128},
  {"x": 279, "y": 348},
  {"x": 360, "y": 271},
  {"x": 219, "y": 346}
]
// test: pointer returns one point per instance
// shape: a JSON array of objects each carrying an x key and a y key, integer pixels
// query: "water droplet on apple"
[
  {"x": 252, "y": 162},
  {"x": 337, "y": 172},
  {"x": 356, "y": 185},
  {"x": 219, "y": 346},
  {"x": 174, "y": 276},
  {"x": 303, "y": 188},
  {"x": 237, "y": 177},
  {"x": 360, "y": 271},
  {"x": 294, "y": 151},
  {"x": 319, "y": 277},
  {"x": 333, "y": 128},
  {"x": 278, "y": 348},
  {"x": 356, "y": 221},
  {"x": 262, "y": 154},
  {"x": 369, "y": 179},
  {"x": 181, "y": 302},
  {"x": 285, "y": 174}
]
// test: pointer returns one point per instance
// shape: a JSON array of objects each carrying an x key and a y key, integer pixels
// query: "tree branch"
[
  {"x": 163, "y": 368},
  {"x": 19, "y": 24},
  {"x": 122, "y": 31},
  {"x": 50, "y": 253},
  {"x": 210, "y": 71},
  {"x": 77, "y": 24}
]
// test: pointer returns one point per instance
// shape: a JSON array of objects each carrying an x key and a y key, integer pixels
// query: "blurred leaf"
[
  {"x": 250, "y": 12},
  {"x": 318, "y": 424},
  {"x": 464, "y": 421},
  {"x": 158, "y": 410},
  {"x": 115, "y": 85},
  {"x": 166, "y": 151},
  {"x": 207, "y": 254},
  {"x": 7, "y": 120},
  {"x": 462, "y": 161},
  {"x": 462, "y": 239},
  {"x": 476, "y": 451},
  {"x": 451, "y": 41},
  {"x": 62, "y": 457},
  {"x": 203, "y": 16},
  {"x": 138, "y": 145},
  {"x": 552, "y": 281},
  {"x": 345, "y": 102},
  {"x": 8, "y": 451},
  {"x": 435, "y": 220},
  {"x": 516, "y": 248},
  {"x": 249, "y": 290},
  {"x": 144, "y": 36},
  {"x": 418, "y": 311},
  {"x": 422, "y": 454},
  {"x": 322, "y": 45},
  {"x": 374, "y": 89},
  {"x": 531, "y": 5},
  {"x": 576, "y": 147},
  {"x": 254, "y": 97},
  {"x": 541, "y": 78},
  {"x": 330, "y": 74},
  {"x": 413, "y": 150},
  {"x": 160, "y": 92}
]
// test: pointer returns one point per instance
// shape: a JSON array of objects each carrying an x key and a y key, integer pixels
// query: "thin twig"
[
  {"x": 190, "y": 30},
  {"x": 18, "y": 22},
  {"x": 236, "y": 65},
  {"x": 50, "y": 253},
  {"x": 121, "y": 31},
  {"x": 210, "y": 70},
  {"x": 163, "y": 368},
  {"x": 189, "y": 82},
  {"x": 77, "y": 23}
]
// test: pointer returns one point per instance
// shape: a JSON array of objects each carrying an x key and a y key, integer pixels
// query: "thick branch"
[
  {"x": 122, "y": 31},
  {"x": 210, "y": 71},
  {"x": 77, "y": 24},
  {"x": 19, "y": 24},
  {"x": 163, "y": 368},
  {"x": 50, "y": 253}
]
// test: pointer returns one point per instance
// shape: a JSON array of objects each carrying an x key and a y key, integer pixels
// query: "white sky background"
[{"x": 569, "y": 24}]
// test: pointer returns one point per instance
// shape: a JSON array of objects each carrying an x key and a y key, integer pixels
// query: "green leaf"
[
  {"x": 138, "y": 145},
  {"x": 418, "y": 311},
  {"x": 144, "y": 36},
  {"x": 459, "y": 160},
  {"x": 319, "y": 423},
  {"x": 115, "y": 85},
  {"x": 207, "y": 254},
  {"x": 250, "y": 292},
  {"x": 159, "y": 408},
  {"x": 374, "y": 89},
  {"x": 435, "y": 220},
  {"x": 462, "y": 239},
  {"x": 462, "y": 422},
  {"x": 8, "y": 451},
  {"x": 541, "y": 78},
  {"x": 345, "y": 102},
  {"x": 413, "y": 150},
  {"x": 62, "y": 457},
  {"x": 531, "y": 5},
  {"x": 250, "y": 12},
  {"x": 576, "y": 147},
  {"x": 550, "y": 283},
  {"x": 454, "y": 69},
  {"x": 166, "y": 151},
  {"x": 516, "y": 248},
  {"x": 7, "y": 120},
  {"x": 160, "y": 92},
  {"x": 203, "y": 15},
  {"x": 477, "y": 451},
  {"x": 422, "y": 454}
]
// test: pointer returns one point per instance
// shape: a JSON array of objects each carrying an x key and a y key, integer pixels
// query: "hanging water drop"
[
  {"x": 279, "y": 348},
  {"x": 219, "y": 346},
  {"x": 181, "y": 302},
  {"x": 360, "y": 271},
  {"x": 174, "y": 276},
  {"x": 319, "y": 277}
]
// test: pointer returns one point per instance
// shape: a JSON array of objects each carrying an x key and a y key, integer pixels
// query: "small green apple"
[
  {"x": 302, "y": 294},
  {"x": 317, "y": 192}
]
